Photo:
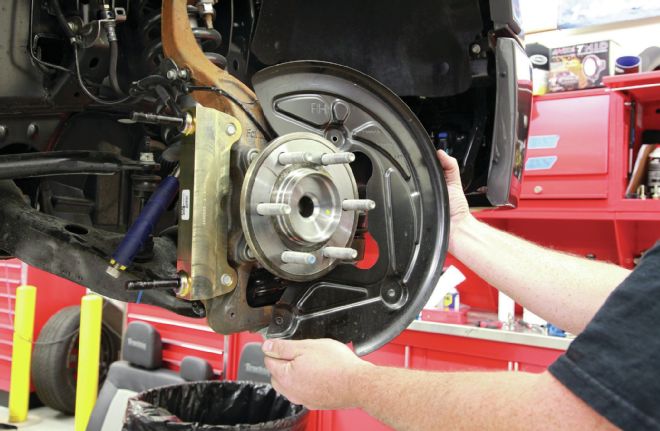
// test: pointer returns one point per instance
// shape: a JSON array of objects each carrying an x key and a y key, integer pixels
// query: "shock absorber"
[
  {"x": 209, "y": 40},
  {"x": 144, "y": 224}
]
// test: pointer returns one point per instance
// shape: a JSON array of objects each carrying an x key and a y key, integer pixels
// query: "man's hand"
[
  {"x": 458, "y": 207},
  {"x": 318, "y": 374},
  {"x": 325, "y": 374}
]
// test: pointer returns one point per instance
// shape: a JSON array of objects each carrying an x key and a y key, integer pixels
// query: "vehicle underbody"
[{"x": 268, "y": 165}]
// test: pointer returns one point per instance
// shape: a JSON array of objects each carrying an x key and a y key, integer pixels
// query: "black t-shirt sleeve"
[{"x": 614, "y": 364}]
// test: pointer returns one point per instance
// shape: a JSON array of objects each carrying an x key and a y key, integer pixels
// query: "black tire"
[{"x": 55, "y": 358}]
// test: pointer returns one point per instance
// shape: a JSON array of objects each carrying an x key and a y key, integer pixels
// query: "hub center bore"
[
  {"x": 315, "y": 195},
  {"x": 306, "y": 206}
]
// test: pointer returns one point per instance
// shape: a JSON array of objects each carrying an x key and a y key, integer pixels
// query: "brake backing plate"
[{"x": 396, "y": 168}]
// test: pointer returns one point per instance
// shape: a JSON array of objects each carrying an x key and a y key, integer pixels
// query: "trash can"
[{"x": 213, "y": 406}]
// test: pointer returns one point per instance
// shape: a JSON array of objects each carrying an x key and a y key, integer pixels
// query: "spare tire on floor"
[{"x": 55, "y": 357}]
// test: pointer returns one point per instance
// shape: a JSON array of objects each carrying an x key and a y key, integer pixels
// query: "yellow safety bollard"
[
  {"x": 21, "y": 356},
  {"x": 89, "y": 350}
]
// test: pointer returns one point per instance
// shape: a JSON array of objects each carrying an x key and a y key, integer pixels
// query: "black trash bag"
[{"x": 214, "y": 406}]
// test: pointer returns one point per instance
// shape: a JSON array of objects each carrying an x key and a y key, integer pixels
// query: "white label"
[{"x": 185, "y": 204}]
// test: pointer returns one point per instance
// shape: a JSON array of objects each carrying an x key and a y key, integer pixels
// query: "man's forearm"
[
  {"x": 418, "y": 400},
  {"x": 563, "y": 289}
]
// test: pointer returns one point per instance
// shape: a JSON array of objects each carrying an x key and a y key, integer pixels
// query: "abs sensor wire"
[
  {"x": 236, "y": 102},
  {"x": 88, "y": 93}
]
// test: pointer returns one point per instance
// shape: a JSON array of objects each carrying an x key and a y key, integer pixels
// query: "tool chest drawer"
[{"x": 567, "y": 150}]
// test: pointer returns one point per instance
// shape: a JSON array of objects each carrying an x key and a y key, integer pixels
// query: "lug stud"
[
  {"x": 268, "y": 209},
  {"x": 294, "y": 157},
  {"x": 342, "y": 253},
  {"x": 335, "y": 158},
  {"x": 358, "y": 205},
  {"x": 298, "y": 257}
]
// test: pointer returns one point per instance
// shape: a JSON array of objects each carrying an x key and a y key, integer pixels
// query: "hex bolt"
[
  {"x": 358, "y": 205},
  {"x": 245, "y": 253},
  {"x": 147, "y": 158},
  {"x": 252, "y": 155},
  {"x": 294, "y": 157},
  {"x": 231, "y": 129},
  {"x": 226, "y": 279},
  {"x": 171, "y": 74},
  {"x": 32, "y": 130},
  {"x": 337, "y": 158},
  {"x": 73, "y": 26},
  {"x": 475, "y": 49},
  {"x": 198, "y": 308},
  {"x": 298, "y": 257},
  {"x": 268, "y": 209},
  {"x": 342, "y": 253},
  {"x": 183, "y": 74}
]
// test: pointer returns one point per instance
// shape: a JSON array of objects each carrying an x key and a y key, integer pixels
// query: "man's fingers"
[
  {"x": 450, "y": 166},
  {"x": 277, "y": 367},
  {"x": 282, "y": 349}
]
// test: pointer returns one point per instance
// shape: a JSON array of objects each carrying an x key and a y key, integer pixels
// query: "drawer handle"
[{"x": 538, "y": 190}]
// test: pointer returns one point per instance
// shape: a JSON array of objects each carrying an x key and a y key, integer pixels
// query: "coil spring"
[{"x": 209, "y": 39}]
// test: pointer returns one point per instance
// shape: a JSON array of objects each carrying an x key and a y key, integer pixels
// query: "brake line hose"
[{"x": 112, "y": 72}]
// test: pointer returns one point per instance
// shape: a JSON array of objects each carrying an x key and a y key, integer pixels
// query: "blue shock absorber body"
[{"x": 144, "y": 224}]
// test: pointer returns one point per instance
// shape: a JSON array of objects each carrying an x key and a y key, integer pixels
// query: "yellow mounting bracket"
[{"x": 204, "y": 195}]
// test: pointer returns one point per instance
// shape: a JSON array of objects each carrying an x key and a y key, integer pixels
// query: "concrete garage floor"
[{"x": 41, "y": 419}]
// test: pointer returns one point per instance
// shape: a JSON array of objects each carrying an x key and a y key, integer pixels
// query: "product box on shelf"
[
  {"x": 581, "y": 66},
  {"x": 459, "y": 317}
]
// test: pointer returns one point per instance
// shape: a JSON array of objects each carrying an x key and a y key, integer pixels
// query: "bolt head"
[
  {"x": 3, "y": 132},
  {"x": 226, "y": 279},
  {"x": 171, "y": 74},
  {"x": 252, "y": 155},
  {"x": 183, "y": 74},
  {"x": 231, "y": 129},
  {"x": 147, "y": 157},
  {"x": 279, "y": 320},
  {"x": 32, "y": 130},
  {"x": 198, "y": 308},
  {"x": 112, "y": 272},
  {"x": 391, "y": 293},
  {"x": 475, "y": 49}
]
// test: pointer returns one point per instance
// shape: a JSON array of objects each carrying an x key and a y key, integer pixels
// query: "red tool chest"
[{"x": 567, "y": 132}]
